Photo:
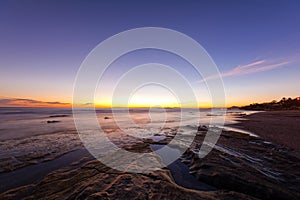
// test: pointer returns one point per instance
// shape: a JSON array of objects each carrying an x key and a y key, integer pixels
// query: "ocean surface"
[{"x": 18, "y": 123}]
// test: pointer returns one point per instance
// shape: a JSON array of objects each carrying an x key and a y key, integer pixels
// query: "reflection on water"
[
  {"x": 24, "y": 122},
  {"x": 166, "y": 153}
]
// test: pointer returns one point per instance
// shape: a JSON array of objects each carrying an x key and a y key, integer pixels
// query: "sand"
[{"x": 280, "y": 127}]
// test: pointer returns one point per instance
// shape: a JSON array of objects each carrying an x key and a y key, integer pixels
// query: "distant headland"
[{"x": 283, "y": 104}]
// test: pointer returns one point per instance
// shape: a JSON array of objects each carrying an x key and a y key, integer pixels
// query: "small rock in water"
[
  {"x": 53, "y": 116},
  {"x": 202, "y": 128},
  {"x": 52, "y": 121}
]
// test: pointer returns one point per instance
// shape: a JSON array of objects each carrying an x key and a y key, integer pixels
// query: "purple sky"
[{"x": 255, "y": 44}]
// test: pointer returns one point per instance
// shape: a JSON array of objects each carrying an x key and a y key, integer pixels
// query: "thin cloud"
[
  {"x": 250, "y": 68},
  {"x": 18, "y": 102},
  {"x": 254, "y": 67},
  {"x": 251, "y": 64}
]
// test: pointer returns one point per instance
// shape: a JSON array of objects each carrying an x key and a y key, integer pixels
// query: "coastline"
[
  {"x": 280, "y": 127},
  {"x": 241, "y": 166}
]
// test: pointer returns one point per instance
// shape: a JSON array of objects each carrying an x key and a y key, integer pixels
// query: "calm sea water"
[{"x": 24, "y": 122}]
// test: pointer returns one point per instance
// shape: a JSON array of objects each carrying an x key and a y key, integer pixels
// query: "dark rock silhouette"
[
  {"x": 202, "y": 128},
  {"x": 283, "y": 104},
  {"x": 53, "y": 116},
  {"x": 52, "y": 121}
]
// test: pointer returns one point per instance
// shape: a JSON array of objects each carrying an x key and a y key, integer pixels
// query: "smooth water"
[{"x": 18, "y": 123}]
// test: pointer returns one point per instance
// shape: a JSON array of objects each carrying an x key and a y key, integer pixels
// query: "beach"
[
  {"x": 52, "y": 161},
  {"x": 149, "y": 100},
  {"x": 281, "y": 127}
]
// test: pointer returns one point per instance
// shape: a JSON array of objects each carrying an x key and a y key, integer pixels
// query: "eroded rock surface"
[
  {"x": 247, "y": 164},
  {"x": 35, "y": 149},
  {"x": 240, "y": 166},
  {"x": 96, "y": 181}
]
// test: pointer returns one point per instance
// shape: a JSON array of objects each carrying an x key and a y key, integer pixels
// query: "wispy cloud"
[
  {"x": 250, "y": 68},
  {"x": 19, "y": 102}
]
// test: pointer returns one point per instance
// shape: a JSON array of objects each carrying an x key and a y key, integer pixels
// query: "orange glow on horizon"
[{"x": 20, "y": 102}]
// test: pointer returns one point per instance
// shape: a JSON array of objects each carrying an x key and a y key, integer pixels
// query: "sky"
[{"x": 255, "y": 45}]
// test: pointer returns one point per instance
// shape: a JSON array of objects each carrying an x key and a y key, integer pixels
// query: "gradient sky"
[{"x": 255, "y": 44}]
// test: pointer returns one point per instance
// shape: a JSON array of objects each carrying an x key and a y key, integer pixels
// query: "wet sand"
[{"x": 280, "y": 127}]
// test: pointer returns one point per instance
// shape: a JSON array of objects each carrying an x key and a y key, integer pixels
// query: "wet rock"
[
  {"x": 202, "y": 128},
  {"x": 52, "y": 121},
  {"x": 54, "y": 116},
  {"x": 251, "y": 168},
  {"x": 23, "y": 152},
  {"x": 96, "y": 181}
]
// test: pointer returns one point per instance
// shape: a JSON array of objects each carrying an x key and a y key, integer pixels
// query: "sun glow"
[{"x": 153, "y": 101}]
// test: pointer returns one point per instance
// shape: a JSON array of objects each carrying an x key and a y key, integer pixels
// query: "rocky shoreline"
[
  {"x": 248, "y": 165},
  {"x": 240, "y": 166}
]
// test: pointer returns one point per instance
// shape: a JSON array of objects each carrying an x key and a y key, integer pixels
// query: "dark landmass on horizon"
[{"x": 283, "y": 104}]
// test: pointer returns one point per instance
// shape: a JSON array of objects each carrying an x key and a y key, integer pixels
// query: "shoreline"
[
  {"x": 280, "y": 127},
  {"x": 240, "y": 166}
]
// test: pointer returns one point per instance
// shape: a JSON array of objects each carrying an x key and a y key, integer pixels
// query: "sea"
[{"x": 18, "y": 123}]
